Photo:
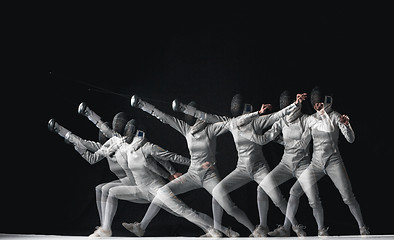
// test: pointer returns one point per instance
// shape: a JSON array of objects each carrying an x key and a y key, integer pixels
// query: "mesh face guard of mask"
[
  {"x": 237, "y": 105},
  {"x": 285, "y": 99},
  {"x": 129, "y": 130},
  {"x": 119, "y": 122},
  {"x": 316, "y": 96}
]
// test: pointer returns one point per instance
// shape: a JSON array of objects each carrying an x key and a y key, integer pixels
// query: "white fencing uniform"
[{"x": 326, "y": 159}]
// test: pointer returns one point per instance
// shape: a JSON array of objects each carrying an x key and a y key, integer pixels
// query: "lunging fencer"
[
  {"x": 251, "y": 165},
  {"x": 201, "y": 140},
  {"x": 326, "y": 158},
  {"x": 84, "y": 148}
]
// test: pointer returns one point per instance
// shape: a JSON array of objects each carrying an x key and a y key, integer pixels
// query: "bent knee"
[
  {"x": 100, "y": 187},
  {"x": 315, "y": 203},
  {"x": 279, "y": 201},
  {"x": 217, "y": 191},
  {"x": 349, "y": 200},
  {"x": 163, "y": 192},
  {"x": 261, "y": 190},
  {"x": 112, "y": 193}
]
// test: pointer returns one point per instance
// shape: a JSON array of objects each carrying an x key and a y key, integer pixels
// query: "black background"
[{"x": 58, "y": 56}]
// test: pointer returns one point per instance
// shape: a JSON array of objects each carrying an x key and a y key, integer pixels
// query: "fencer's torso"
[
  {"x": 250, "y": 154},
  {"x": 201, "y": 143},
  {"x": 293, "y": 157},
  {"x": 138, "y": 164},
  {"x": 119, "y": 159},
  {"x": 114, "y": 166},
  {"x": 142, "y": 158},
  {"x": 325, "y": 144},
  {"x": 202, "y": 148},
  {"x": 116, "y": 169}
]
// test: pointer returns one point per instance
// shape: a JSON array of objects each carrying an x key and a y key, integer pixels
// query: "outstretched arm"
[
  {"x": 160, "y": 153},
  {"x": 90, "y": 157},
  {"x": 84, "y": 110},
  {"x": 219, "y": 128},
  {"x": 269, "y": 119},
  {"x": 177, "y": 106},
  {"x": 247, "y": 118},
  {"x": 80, "y": 145},
  {"x": 91, "y": 145},
  {"x": 163, "y": 157},
  {"x": 87, "y": 149},
  {"x": 175, "y": 123},
  {"x": 107, "y": 150}
]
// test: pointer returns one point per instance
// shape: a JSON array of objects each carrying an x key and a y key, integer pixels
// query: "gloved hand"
[
  {"x": 134, "y": 101},
  {"x": 177, "y": 106},
  {"x": 57, "y": 128},
  {"x": 264, "y": 108},
  {"x": 84, "y": 110},
  {"x": 345, "y": 120},
  {"x": 300, "y": 98},
  {"x": 137, "y": 102}
]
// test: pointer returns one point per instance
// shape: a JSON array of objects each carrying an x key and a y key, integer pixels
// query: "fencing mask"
[
  {"x": 317, "y": 96},
  {"x": 129, "y": 131},
  {"x": 237, "y": 105},
  {"x": 119, "y": 122},
  {"x": 285, "y": 99}
]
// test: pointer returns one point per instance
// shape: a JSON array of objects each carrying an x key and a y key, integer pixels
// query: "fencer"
[
  {"x": 294, "y": 161},
  {"x": 251, "y": 165},
  {"x": 139, "y": 153},
  {"x": 326, "y": 158},
  {"x": 83, "y": 146},
  {"x": 201, "y": 141}
]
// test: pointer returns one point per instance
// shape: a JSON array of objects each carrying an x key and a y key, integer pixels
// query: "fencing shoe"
[
  {"x": 364, "y": 231},
  {"x": 101, "y": 233},
  {"x": 280, "y": 231},
  {"x": 230, "y": 233},
  {"x": 323, "y": 232},
  {"x": 299, "y": 230},
  {"x": 134, "y": 228},
  {"x": 259, "y": 231}
]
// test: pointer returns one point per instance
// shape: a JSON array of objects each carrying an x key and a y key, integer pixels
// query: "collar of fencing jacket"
[
  {"x": 137, "y": 142},
  {"x": 328, "y": 108}
]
